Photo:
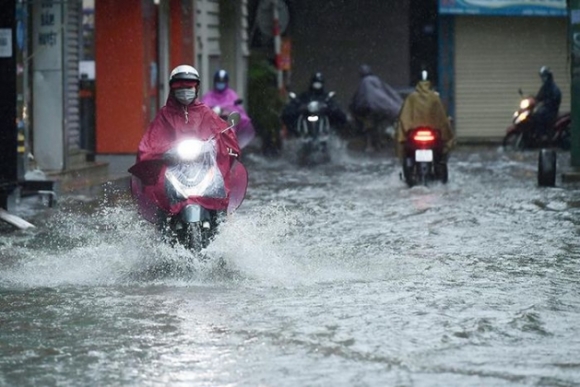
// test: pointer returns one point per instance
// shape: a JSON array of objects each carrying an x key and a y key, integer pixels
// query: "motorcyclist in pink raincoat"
[
  {"x": 225, "y": 100},
  {"x": 182, "y": 117}
]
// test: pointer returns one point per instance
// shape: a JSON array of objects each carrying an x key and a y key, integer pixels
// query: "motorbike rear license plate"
[{"x": 424, "y": 155}]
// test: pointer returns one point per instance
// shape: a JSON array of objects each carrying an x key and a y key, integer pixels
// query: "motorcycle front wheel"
[
  {"x": 514, "y": 141},
  {"x": 193, "y": 237}
]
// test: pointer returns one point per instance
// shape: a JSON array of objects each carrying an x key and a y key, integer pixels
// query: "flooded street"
[{"x": 336, "y": 275}]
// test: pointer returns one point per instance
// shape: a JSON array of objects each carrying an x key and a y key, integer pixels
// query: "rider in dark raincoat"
[
  {"x": 374, "y": 106},
  {"x": 548, "y": 100},
  {"x": 315, "y": 92}
]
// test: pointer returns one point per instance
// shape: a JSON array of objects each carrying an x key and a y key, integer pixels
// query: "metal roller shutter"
[
  {"x": 494, "y": 56},
  {"x": 71, "y": 75}
]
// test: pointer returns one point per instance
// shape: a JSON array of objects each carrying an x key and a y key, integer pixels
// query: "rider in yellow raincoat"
[{"x": 423, "y": 107}]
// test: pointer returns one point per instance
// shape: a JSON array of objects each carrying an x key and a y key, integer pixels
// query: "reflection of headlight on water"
[
  {"x": 312, "y": 118},
  {"x": 189, "y": 149}
]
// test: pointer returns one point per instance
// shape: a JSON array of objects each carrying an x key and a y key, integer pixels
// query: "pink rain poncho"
[
  {"x": 173, "y": 123},
  {"x": 226, "y": 100}
]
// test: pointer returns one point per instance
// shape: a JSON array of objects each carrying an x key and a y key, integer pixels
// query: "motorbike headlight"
[
  {"x": 525, "y": 103},
  {"x": 312, "y": 118},
  {"x": 522, "y": 116},
  {"x": 313, "y": 106},
  {"x": 189, "y": 149}
]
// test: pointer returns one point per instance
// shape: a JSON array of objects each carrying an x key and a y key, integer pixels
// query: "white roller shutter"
[
  {"x": 207, "y": 24},
  {"x": 494, "y": 57}
]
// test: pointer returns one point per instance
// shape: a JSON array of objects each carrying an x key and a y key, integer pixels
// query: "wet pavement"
[{"x": 335, "y": 275}]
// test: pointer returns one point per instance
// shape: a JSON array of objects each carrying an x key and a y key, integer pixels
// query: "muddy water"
[{"x": 337, "y": 275}]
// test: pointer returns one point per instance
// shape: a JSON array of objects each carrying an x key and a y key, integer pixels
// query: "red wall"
[
  {"x": 181, "y": 30},
  {"x": 125, "y": 48}
]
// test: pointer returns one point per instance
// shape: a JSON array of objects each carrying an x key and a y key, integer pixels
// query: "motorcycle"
[
  {"x": 313, "y": 129},
  {"x": 244, "y": 131},
  {"x": 423, "y": 160},
  {"x": 522, "y": 134},
  {"x": 193, "y": 180}
]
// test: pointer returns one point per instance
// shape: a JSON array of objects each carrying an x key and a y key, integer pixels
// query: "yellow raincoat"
[{"x": 423, "y": 107}]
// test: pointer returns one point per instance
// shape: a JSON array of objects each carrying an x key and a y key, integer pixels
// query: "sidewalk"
[{"x": 91, "y": 178}]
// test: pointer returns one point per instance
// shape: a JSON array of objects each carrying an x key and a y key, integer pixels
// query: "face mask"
[
  {"x": 185, "y": 96},
  {"x": 220, "y": 86}
]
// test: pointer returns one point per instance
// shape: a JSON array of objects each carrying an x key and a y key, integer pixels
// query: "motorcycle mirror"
[
  {"x": 292, "y": 95},
  {"x": 234, "y": 118},
  {"x": 331, "y": 94}
]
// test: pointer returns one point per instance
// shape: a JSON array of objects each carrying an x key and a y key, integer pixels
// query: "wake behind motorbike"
[
  {"x": 314, "y": 130},
  {"x": 423, "y": 160},
  {"x": 194, "y": 190},
  {"x": 523, "y": 134}
]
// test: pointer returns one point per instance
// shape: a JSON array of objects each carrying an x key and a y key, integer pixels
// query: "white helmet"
[{"x": 184, "y": 72}]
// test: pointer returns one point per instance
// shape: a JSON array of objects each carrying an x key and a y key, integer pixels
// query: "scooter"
[
  {"x": 222, "y": 111},
  {"x": 314, "y": 130},
  {"x": 195, "y": 184},
  {"x": 522, "y": 134},
  {"x": 244, "y": 130},
  {"x": 423, "y": 160}
]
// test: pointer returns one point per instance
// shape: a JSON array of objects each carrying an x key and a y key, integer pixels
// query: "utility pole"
[
  {"x": 8, "y": 130},
  {"x": 574, "y": 35},
  {"x": 277, "y": 43}
]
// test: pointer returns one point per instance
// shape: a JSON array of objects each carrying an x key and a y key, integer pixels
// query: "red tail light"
[{"x": 424, "y": 135}]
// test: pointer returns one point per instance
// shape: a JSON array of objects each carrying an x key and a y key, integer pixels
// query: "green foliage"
[{"x": 265, "y": 103}]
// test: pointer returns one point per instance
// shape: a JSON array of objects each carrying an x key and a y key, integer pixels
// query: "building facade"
[
  {"x": 124, "y": 50},
  {"x": 490, "y": 49},
  {"x": 138, "y": 42}
]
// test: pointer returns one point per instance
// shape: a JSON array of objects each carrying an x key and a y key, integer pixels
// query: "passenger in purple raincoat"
[{"x": 224, "y": 100}]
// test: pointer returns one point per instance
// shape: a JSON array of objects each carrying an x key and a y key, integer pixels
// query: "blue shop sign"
[{"x": 504, "y": 7}]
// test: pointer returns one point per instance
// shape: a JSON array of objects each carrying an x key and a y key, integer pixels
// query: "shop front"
[{"x": 491, "y": 49}]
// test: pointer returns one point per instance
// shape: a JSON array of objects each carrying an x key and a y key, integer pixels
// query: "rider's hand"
[{"x": 233, "y": 153}]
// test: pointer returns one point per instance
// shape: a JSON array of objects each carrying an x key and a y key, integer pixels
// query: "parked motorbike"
[
  {"x": 192, "y": 178},
  {"x": 423, "y": 160},
  {"x": 522, "y": 134},
  {"x": 313, "y": 129}
]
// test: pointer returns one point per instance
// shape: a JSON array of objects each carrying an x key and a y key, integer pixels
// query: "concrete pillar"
[{"x": 8, "y": 131}]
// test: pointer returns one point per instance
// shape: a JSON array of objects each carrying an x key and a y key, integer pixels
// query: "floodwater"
[{"x": 335, "y": 275}]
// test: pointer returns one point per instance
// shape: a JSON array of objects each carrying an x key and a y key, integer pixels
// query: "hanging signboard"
[{"x": 504, "y": 7}]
